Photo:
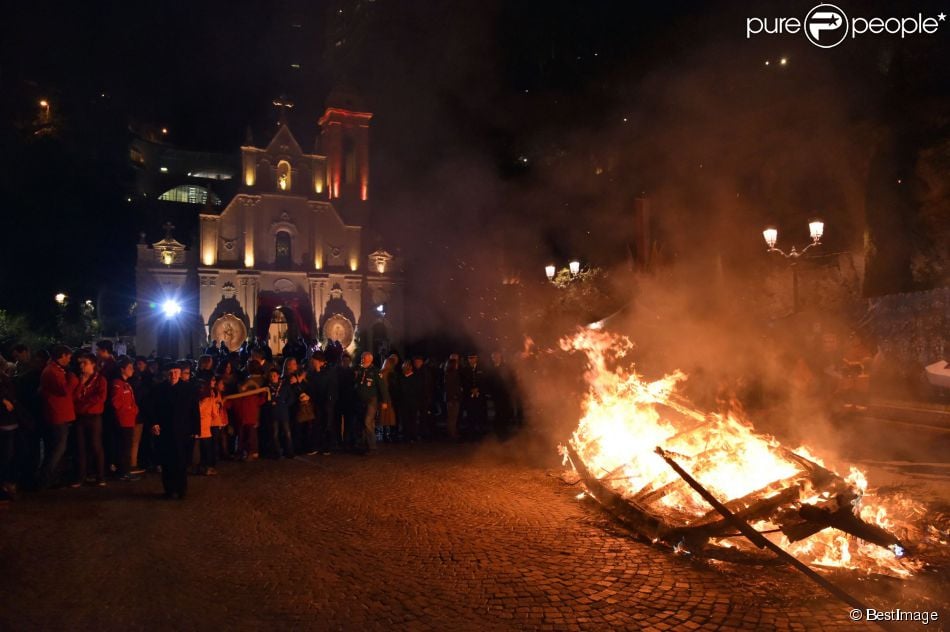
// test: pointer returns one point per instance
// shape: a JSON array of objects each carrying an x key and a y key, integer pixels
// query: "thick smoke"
[{"x": 722, "y": 145}]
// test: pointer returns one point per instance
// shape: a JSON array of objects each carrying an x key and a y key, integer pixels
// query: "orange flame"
[{"x": 624, "y": 418}]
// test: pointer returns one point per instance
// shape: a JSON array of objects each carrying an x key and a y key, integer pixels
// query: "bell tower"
[{"x": 344, "y": 140}]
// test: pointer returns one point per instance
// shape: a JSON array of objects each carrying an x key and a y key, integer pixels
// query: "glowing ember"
[{"x": 624, "y": 418}]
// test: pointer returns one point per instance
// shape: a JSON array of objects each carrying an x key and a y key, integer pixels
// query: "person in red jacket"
[
  {"x": 59, "y": 412},
  {"x": 245, "y": 407},
  {"x": 90, "y": 399},
  {"x": 126, "y": 412}
]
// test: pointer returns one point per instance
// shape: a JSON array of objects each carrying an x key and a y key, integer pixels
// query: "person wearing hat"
[{"x": 178, "y": 420}]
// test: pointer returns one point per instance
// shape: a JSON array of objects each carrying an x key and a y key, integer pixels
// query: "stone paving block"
[{"x": 422, "y": 537}]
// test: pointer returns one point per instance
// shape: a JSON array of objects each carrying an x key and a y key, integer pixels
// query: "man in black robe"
[{"x": 176, "y": 422}]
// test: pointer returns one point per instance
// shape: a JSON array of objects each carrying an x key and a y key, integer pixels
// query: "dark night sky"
[{"x": 461, "y": 91}]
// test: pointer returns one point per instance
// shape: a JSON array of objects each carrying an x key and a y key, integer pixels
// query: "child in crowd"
[
  {"x": 209, "y": 414},
  {"x": 219, "y": 423},
  {"x": 246, "y": 406}
]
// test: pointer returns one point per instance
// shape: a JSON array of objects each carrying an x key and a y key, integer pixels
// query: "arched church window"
[
  {"x": 283, "y": 175},
  {"x": 282, "y": 249},
  {"x": 349, "y": 161}
]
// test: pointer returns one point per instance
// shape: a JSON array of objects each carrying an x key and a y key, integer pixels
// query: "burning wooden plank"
[
  {"x": 761, "y": 541},
  {"x": 758, "y": 479},
  {"x": 641, "y": 521}
]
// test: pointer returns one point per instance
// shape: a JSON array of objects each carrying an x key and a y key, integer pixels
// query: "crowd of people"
[{"x": 85, "y": 417}]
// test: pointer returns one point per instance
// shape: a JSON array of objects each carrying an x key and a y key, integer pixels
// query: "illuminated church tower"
[{"x": 284, "y": 258}]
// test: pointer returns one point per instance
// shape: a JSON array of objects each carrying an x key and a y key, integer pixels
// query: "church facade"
[{"x": 283, "y": 260}]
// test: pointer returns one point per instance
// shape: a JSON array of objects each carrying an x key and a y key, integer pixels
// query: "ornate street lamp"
[
  {"x": 573, "y": 266},
  {"x": 816, "y": 229}
]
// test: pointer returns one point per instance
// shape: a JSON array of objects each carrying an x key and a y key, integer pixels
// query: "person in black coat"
[
  {"x": 27, "y": 380},
  {"x": 177, "y": 420},
  {"x": 474, "y": 390},
  {"x": 324, "y": 390},
  {"x": 143, "y": 383},
  {"x": 346, "y": 404}
]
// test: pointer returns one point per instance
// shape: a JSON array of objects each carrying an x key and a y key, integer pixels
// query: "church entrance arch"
[{"x": 295, "y": 311}]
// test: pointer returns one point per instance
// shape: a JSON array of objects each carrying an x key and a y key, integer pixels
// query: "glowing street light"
[
  {"x": 549, "y": 271},
  {"x": 816, "y": 229},
  {"x": 60, "y": 298},
  {"x": 575, "y": 267},
  {"x": 171, "y": 308}
]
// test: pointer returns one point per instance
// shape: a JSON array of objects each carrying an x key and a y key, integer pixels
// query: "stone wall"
[{"x": 912, "y": 329}]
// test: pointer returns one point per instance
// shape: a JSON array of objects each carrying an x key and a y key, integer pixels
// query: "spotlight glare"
[{"x": 171, "y": 308}]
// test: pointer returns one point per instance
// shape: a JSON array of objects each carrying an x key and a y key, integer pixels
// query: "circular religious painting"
[
  {"x": 230, "y": 329},
  {"x": 339, "y": 328}
]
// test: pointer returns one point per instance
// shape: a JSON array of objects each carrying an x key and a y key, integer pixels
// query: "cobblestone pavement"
[{"x": 425, "y": 537}]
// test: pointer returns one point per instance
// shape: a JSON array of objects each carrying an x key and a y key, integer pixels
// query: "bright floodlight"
[
  {"x": 771, "y": 236},
  {"x": 171, "y": 308},
  {"x": 817, "y": 229},
  {"x": 575, "y": 267},
  {"x": 549, "y": 271},
  {"x": 60, "y": 298}
]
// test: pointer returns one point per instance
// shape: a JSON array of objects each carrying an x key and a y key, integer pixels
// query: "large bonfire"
[{"x": 789, "y": 495}]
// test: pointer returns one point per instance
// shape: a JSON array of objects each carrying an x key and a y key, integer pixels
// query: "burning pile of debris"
[{"x": 703, "y": 482}]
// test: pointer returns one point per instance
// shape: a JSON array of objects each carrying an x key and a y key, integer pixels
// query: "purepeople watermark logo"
[{"x": 827, "y": 25}]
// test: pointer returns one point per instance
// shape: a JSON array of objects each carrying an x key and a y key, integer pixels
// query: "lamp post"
[
  {"x": 550, "y": 270},
  {"x": 816, "y": 228},
  {"x": 45, "y": 105}
]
